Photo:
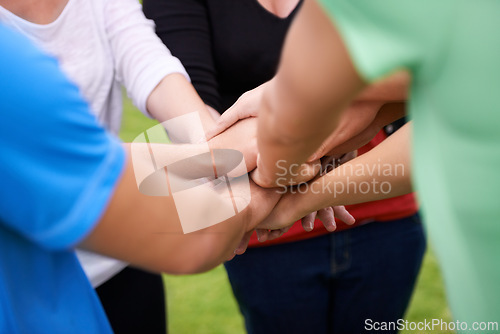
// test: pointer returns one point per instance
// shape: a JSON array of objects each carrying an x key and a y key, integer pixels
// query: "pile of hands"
[{"x": 272, "y": 211}]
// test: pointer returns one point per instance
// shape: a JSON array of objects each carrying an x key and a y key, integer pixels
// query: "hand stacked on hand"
[{"x": 237, "y": 128}]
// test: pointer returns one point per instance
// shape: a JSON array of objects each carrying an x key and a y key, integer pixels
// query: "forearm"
[
  {"x": 173, "y": 97},
  {"x": 146, "y": 231},
  {"x": 303, "y": 104},
  {"x": 381, "y": 173}
]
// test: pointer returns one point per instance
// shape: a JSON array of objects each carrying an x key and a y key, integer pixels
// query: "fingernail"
[
  {"x": 311, "y": 226},
  {"x": 332, "y": 227}
]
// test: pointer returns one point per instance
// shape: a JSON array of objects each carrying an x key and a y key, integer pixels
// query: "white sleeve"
[{"x": 141, "y": 59}]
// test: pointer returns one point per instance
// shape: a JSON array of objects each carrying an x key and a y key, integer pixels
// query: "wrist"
[{"x": 321, "y": 193}]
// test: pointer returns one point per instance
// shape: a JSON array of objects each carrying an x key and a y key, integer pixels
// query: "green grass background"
[{"x": 204, "y": 304}]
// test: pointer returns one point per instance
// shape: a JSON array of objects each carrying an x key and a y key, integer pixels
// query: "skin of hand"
[
  {"x": 358, "y": 125},
  {"x": 241, "y": 137},
  {"x": 246, "y": 106},
  {"x": 325, "y": 191},
  {"x": 146, "y": 231},
  {"x": 299, "y": 173},
  {"x": 324, "y": 86},
  {"x": 326, "y": 215},
  {"x": 281, "y": 99}
]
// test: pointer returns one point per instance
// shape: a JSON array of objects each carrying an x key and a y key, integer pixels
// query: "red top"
[{"x": 383, "y": 210}]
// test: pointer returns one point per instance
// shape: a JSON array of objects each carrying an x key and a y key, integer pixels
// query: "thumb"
[
  {"x": 227, "y": 119},
  {"x": 325, "y": 147},
  {"x": 242, "y": 246}
]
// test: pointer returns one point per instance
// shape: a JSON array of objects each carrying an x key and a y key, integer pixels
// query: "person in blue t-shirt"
[{"x": 67, "y": 183}]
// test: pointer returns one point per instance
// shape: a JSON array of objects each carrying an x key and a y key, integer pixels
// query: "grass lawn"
[{"x": 204, "y": 304}]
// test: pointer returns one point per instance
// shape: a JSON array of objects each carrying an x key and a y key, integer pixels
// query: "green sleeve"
[{"x": 385, "y": 35}]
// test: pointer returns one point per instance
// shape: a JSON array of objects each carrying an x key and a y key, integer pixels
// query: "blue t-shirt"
[{"x": 58, "y": 169}]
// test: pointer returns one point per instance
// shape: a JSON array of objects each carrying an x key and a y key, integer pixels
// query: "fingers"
[
  {"x": 341, "y": 213},
  {"x": 306, "y": 172},
  {"x": 276, "y": 234},
  {"x": 268, "y": 235},
  {"x": 328, "y": 163},
  {"x": 242, "y": 246},
  {"x": 327, "y": 216},
  {"x": 354, "y": 129},
  {"x": 241, "y": 109},
  {"x": 246, "y": 106},
  {"x": 325, "y": 147},
  {"x": 262, "y": 234},
  {"x": 308, "y": 221},
  {"x": 228, "y": 118},
  {"x": 265, "y": 235},
  {"x": 356, "y": 141},
  {"x": 347, "y": 157}
]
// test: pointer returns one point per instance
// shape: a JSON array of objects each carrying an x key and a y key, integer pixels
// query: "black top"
[{"x": 227, "y": 46}]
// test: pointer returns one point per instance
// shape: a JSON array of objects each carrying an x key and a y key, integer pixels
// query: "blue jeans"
[{"x": 331, "y": 283}]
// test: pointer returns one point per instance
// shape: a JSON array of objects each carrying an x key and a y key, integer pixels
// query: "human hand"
[
  {"x": 261, "y": 204},
  {"x": 358, "y": 125},
  {"x": 262, "y": 235},
  {"x": 326, "y": 215},
  {"x": 291, "y": 208},
  {"x": 299, "y": 174},
  {"x": 246, "y": 106},
  {"x": 241, "y": 136}
]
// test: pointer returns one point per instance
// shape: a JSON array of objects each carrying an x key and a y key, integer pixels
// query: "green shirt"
[{"x": 452, "y": 49}]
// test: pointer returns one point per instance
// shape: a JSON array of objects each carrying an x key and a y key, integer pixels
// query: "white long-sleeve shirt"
[{"x": 102, "y": 45}]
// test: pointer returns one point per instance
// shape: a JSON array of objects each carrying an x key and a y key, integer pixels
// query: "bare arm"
[
  {"x": 146, "y": 231},
  {"x": 359, "y": 123},
  {"x": 379, "y": 104},
  {"x": 323, "y": 86},
  {"x": 383, "y": 172}
]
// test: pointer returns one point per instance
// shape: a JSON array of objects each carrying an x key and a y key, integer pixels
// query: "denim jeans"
[{"x": 332, "y": 283}]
